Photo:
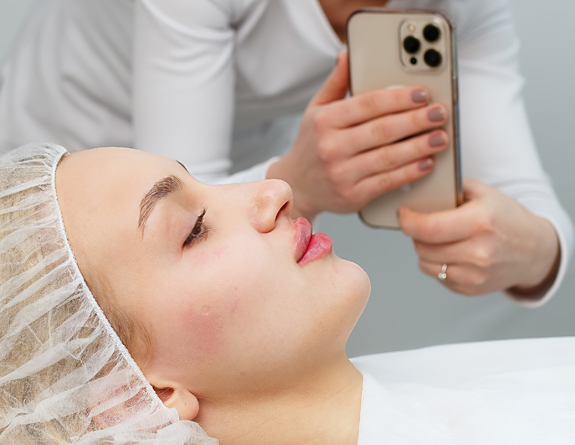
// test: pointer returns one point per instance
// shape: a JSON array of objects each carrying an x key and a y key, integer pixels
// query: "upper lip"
[{"x": 303, "y": 232}]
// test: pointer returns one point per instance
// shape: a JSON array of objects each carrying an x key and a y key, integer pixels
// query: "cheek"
[
  {"x": 201, "y": 330},
  {"x": 194, "y": 333},
  {"x": 217, "y": 298},
  {"x": 204, "y": 321}
]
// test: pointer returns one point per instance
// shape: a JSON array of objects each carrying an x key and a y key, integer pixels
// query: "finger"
[
  {"x": 373, "y": 104},
  {"x": 462, "y": 279},
  {"x": 373, "y": 186},
  {"x": 336, "y": 85},
  {"x": 442, "y": 227},
  {"x": 393, "y": 156},
  {"x": 433, "y": 269},
  {"x": 473, "y": 251},
  {"x": 394, "y": 127},
  {"x": 438, "y": 253}
]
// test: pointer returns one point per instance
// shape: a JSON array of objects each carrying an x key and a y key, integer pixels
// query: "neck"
[
  {"x": 338, "y": 11},
  {"x": 317, "y": 409}
]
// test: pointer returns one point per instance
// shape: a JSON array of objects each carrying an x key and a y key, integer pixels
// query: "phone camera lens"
[
  {"x": 431, "y": 33},
  {"x": 432, "y": 58},
  {"x": 411, "y": 44}
]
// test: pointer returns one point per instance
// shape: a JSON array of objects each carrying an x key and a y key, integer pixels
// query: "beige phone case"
[{"x": 378, "y": 59}]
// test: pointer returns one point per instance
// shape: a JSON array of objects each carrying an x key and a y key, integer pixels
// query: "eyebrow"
[{"x": 160, "y": 190}]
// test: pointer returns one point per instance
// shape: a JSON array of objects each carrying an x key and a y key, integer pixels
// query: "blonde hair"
[{"x": 132, "y": 331}]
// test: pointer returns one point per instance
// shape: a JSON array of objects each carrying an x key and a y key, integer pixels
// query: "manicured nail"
[
  {"x": 419, "y": 96},
  {"x": 436, "y": 115},
  {"x": 437, "y": 140},
  {"x": 426, "y": 164}
]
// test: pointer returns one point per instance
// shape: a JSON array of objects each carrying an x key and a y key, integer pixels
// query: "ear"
[{"x": 176, "y": 396}]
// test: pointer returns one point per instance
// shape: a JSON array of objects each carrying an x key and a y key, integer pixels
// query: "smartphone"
[{"x": 390, "y": 48}]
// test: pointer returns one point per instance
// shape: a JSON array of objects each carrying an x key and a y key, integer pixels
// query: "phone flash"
[{"x": 411, "y": 27}]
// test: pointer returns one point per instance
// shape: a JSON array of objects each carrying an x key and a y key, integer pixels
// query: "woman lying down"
[{"x": 138, "y": 305}]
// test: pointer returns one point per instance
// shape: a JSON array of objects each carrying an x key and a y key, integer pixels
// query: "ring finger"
[
  {"x": 451, "y": 272},
  {"x": 457, "y": 275}
]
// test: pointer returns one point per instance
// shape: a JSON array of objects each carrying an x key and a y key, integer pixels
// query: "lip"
[{"x": 309, "y": 246}]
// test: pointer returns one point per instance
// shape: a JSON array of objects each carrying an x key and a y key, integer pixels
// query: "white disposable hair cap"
[{"x": 65, "y": 376}]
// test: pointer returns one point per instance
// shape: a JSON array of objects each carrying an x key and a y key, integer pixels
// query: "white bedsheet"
[{"x": 504, "y": 392}]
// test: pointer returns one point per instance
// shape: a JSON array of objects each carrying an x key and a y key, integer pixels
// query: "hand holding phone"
[
  {"x": 389, "y": 48},
  {"x": 349, "y": 151}
]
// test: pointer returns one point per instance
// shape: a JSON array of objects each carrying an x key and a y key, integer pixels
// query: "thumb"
[{"x": 337, "y": 83}]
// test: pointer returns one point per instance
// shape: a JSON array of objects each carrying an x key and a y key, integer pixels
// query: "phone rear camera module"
[
  {"x": 411, "y": 44},
  {"x": 432, "y": 58},
  {"x": 431, "y": 33}
]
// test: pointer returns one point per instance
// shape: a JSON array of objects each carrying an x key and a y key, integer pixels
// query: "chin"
[
  {"x": 354, "y": 282},
  {"x": 352, "y": 289},
  {"x": 342, "y": 294}
]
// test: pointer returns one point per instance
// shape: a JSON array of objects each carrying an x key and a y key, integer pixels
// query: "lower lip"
[{"x": 319, "y": 246}]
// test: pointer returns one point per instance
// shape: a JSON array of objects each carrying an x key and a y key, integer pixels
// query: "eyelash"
[{"x": 199, "y": 232}]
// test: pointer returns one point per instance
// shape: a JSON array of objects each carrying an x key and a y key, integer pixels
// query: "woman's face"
[{"x": 215, "y": 274}]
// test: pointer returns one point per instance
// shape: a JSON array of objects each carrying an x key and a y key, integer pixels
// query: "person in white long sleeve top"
[{"x": 221, "y": 85}]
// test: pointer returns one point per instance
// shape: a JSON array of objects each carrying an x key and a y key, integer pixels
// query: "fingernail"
[
  {"x": 419, "y": 96},
  {"x": 436, "y": 115},
  {"x": 437, "y": 140},
  {"x": 426, "y": 164}
]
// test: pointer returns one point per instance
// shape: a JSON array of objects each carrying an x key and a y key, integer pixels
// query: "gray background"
[{"x": 408, "y": 309}]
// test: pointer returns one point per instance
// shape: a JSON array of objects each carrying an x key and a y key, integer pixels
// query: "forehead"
[
  {"x": 100, "y": 190},
  {"x": 112, "y": 165},
  {"x": 109, "y": 178}
]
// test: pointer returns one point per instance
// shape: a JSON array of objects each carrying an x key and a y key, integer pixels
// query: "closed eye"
[{"x": 199, "y": 232}]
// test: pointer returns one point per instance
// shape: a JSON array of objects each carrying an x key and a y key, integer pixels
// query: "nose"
[{"x": 272, "y": 201}]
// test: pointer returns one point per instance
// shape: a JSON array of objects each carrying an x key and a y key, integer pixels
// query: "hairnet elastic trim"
[{"x": 121, "y": 347}]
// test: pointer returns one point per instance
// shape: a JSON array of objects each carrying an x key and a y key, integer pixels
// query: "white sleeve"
[
  {"x": 497, "y": 144},
  {"x": 183, "y": 94}
]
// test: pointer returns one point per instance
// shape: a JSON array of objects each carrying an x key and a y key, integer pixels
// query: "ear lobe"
[{"x": 176, "y": 396}]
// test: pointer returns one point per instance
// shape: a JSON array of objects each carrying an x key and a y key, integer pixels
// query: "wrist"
[{"x": 545, "y": 260}]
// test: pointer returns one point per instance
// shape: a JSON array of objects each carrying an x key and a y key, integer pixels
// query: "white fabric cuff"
[{"x": 559, "y": 220}]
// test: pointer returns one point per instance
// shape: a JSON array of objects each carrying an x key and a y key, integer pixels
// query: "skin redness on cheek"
[
  {"x": 203, "y": 317},
  {"x": 204, "y": 324},
  {"x": 203, "y": 327}
]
